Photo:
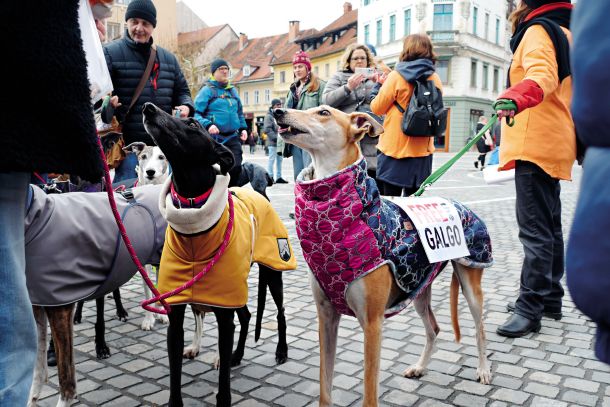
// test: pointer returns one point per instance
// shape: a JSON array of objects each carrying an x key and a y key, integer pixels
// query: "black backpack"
[{"x": 425, "y": 116}]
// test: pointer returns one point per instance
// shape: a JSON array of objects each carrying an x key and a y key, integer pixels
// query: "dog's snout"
[
  {"x": 150, "y": 173},
  {"x": 277, "y": 113},
  {"x": 148, "y": 108}
]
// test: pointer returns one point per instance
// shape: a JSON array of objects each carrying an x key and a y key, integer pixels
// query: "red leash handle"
[
  {"x": 166, "y": 307},
  {"x": 225, "y": 242}
]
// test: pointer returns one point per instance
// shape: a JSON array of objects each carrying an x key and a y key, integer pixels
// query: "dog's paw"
[
  {"x": 122, "y": 314},
  {"x": 484, "y": 375},
  {"x": 148, "y": 323},
  {"x": 414, "y": 371},
  {"x": 190, "y": 352},
  {"x": 102, "y": 351},
  {"x": 162, "y": 318},
  {"x": 78, "y": 318},
  {"x": 236, "y": 358},
  {"x": 281, "y": 354}
]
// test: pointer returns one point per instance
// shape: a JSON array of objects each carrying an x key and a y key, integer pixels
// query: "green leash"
[{"x": 501, "y": 104}]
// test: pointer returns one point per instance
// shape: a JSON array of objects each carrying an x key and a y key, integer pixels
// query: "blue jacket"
[
  {"x": 220, "y": 105},
  {"x": 588, "y": 273}
]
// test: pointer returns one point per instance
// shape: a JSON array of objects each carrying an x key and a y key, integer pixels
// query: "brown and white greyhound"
[{"x": 331, "y": 137}]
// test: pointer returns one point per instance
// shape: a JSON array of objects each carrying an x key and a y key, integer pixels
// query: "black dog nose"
[
  {"x": 150, "y": 173},
  {"x": 149, "y": 108},
  {"x": 277, "y": 113}
]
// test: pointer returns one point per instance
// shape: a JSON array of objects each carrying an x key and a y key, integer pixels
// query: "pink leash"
[{"x": 158, "y": 297}]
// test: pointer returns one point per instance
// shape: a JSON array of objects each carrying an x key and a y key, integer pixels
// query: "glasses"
[
  {"x": 224, "y": 68},
  {"x": 358, "y": 59}
]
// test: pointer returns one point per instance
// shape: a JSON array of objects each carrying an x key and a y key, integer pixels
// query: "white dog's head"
[{"x": 153, "y": 167}]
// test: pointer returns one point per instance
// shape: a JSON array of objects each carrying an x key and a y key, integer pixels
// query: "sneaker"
[
  {"x": 281, "y": 181},
  {"x": 476, "y": 164}
]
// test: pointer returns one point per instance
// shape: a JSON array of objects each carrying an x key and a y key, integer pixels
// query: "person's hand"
[
  {"x": 505, "y": 113},
  {"x": 244, "y": 135},
  {"x": 213, "y": 129},
  {"x": 355, "y": 80},
  {"x": 380, "y": 77},
  {"x": 114, "y": 101},
  {"x": 184, "y": 111}
]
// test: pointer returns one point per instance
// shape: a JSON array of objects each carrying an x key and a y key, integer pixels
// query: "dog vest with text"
[{"x": 347, "y": 230}]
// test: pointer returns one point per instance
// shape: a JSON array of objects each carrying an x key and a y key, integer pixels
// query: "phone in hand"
[{"x": 367, "y": 72}]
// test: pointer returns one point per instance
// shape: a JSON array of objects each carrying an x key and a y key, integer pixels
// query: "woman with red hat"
[{"x": 541, "y": 147}]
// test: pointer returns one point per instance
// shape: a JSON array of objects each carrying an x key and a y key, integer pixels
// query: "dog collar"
[{"x": 182, "y": 202}]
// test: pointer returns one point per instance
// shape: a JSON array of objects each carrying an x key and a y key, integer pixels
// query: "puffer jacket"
[
  {"x": 219, "y": 105},
  {"x": 308, "y": 98},
  {"x": 543, "y": 134},
  {"x": 337, "y": 94},
  {"x": 167, "y": 87},
  {"x": 393, "y": 142},
  {"x": 51, "y": 72}
]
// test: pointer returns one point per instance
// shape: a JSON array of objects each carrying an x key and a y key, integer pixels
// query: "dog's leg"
[
  {"x": 102, "y": 350},
  {"x": 40, "y": 371},
  {"x": 276, "y": 288},
  {"x": 368, "y": 298},
  {"x": 149, "y": 317},
  {"x": 121, "y": 313},
  {"x": 60, "y": 319},
  {"x": 470, "y": 279},
  {"x": 78, "y": 314},
  {"x": 150, "y": 269},
  {"x": 226, "y": 330},
  {"x": 175, "y": 343},
  {"x": 191, "y": 351},
  {"x": 328, "y": 328},
  {"x": 423, "y": 307},
  {"x": 243, "y": 314}
]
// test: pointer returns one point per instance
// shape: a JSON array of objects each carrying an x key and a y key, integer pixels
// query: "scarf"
[{"x": 550, "y": 17}]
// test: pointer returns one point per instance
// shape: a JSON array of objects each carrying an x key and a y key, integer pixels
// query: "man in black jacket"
[
  {"x": 270, "y": 127},
  {"x": 57, "y": 136},
  {"x": 127, "y": 59}
]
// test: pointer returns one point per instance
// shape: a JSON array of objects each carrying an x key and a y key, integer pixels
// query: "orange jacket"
[
  {"x": 393, "y": 142},
  {"x": 543, "y": 134}
]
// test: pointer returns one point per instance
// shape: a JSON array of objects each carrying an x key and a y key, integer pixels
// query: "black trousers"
[
  {"x": 539, "y": 218},
  {"x": 234, "y": 144},
  {"x": 388, "y": 189}
]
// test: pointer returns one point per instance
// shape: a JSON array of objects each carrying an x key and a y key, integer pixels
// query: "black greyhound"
[{"x": 194, "y": 157}]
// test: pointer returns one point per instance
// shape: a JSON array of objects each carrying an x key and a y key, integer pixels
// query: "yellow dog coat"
[{"x": 195, "y": 234}]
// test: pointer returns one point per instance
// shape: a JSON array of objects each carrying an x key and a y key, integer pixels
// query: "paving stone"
[
  {"x": 122, "y": 401},
  {"x": 546, "y": 378},
  {"x": 143, "y": 389},
  {"x": 582, "y": 385},
  {"x": 472, "y": 387},
  {"x": 98, "y": 397},
  {"x": 579, "y": 398},
  {"x": 469, "y": 400},
  {"x": 292, "y": 400},
  {"x": 436, "y": 392},
  {"x": 510, "y": 396},
  {"x": 400, "y": 398},
  {"x": 541, "y": 390}
]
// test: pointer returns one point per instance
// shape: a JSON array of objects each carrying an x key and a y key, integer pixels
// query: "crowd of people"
[{"x": 541, "y": 146}]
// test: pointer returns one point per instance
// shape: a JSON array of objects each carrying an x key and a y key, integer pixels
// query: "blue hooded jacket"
[{"x": 219, "y": 105}]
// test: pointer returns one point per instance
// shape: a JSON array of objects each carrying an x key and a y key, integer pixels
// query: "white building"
[{"x": 470, "y": 39}]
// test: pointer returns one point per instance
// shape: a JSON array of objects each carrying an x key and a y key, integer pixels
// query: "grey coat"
[
  {"x": 73, "y": 248},
  {"x": 271, "y": 128},
  {"x": 337, "y": 94}
]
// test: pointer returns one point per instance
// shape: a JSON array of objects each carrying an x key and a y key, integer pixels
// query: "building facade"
[{"x": 470, "y": 39}]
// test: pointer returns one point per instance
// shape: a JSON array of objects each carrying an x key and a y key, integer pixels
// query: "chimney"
[
  {"x": 293, "y": 30},
  {"x": 243, "y": 41},
  {"x": 347, "y": 7}
]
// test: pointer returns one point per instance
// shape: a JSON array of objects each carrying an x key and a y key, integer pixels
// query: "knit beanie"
[
  {"x": 539, "y": 3},
  {"x": 144, "y": 9},
  {"x": 301, "y": 57},
  {"x": 217, "y": 63},
  {"x": 276, "y": 102}
]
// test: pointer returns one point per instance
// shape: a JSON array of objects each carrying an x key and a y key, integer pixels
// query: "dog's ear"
[
  {"x": 363, "y": 124},
  {"x": 136, "y": 147},
  {"x": 224, "y": 157}
]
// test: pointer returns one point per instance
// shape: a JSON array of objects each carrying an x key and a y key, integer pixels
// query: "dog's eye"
[
  {"x": 323, "y": 112},
  {"x": 161, "y": 157},
  {"x": 193, "y": 124},
  {"x": 143, "y": 156}
]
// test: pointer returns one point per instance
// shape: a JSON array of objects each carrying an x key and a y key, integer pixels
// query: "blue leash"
[{"x": 223, "y": 140}]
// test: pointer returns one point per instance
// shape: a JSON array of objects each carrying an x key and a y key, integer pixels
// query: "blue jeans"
[
  {"x": 17, "y": 327},
  {"x": 300, "y": 160},
  {"x": 277, "y": 159},
  {"x": 127, "y": 168}
]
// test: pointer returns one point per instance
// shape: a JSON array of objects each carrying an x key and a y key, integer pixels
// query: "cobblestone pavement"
[{"x": 553, "y": 368}]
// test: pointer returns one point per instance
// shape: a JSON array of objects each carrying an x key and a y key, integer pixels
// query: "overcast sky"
[{"x": 260, "y": 18}]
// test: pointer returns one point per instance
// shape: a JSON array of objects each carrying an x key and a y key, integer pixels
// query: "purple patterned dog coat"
[{"x": 347, "y": 230}]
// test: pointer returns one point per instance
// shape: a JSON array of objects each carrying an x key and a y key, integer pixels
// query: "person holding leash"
[
  {"x": 34, "y": 144},
  {"x": 541, "y": 88},
  {"x": 127, "y": 59},
  {"x": 219, "y": 110}
]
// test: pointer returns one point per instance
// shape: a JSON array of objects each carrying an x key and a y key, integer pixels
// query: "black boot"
[
  {"x": 518, "y": 326},
  {"x": 548, "y": 312}
]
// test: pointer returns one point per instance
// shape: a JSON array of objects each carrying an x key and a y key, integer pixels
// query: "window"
[
  {"x": 485, "y": 76},
  {"x": 407, "y": 22},
  {"x": 327, "y": 70},
  {"x": 486, "y": 33},
  {"x": 498, "y": 31},
  {"x": 283, "y": 77},
  {"x": 113, "y": 31},
  {"x": 496, "y": 84},
  {"x": 246, "y": 70},
  {"x": 475, "y": 17},
  {"x": 338, "y": 66},
  {"x": 245, "y": 98},
  {"x": 379, "y": 32},
  {"x": 256, "y": 97},
  {"x": 392, "y": 28},
  {"x": 315, "y": 70},
  {"x": 267, "y": 95},
  {"x": 442, "y": 69},
  {"x": 367, "y": 34},
  {"x": 473, "y": 73},
  {"x": 443, "y": 17},
  {"x": 367, "y": 2}
]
